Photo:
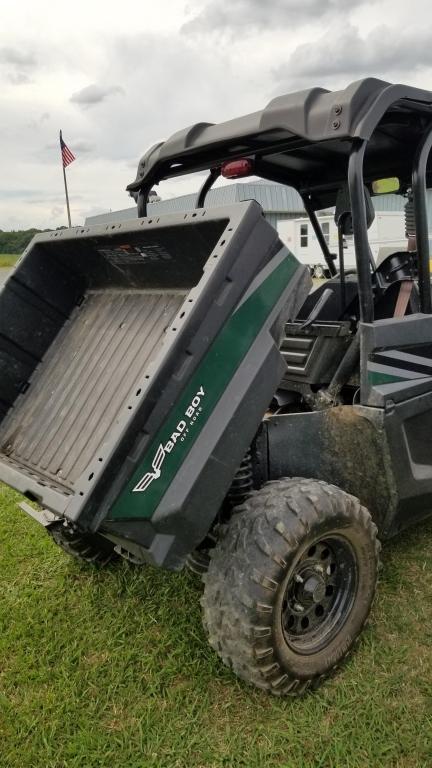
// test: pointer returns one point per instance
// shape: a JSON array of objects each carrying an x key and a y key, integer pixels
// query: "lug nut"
[
  {"x": 298, "y": 579},
  {"x": 319, "y": 569},
  {"x": 298, "y": 607}
]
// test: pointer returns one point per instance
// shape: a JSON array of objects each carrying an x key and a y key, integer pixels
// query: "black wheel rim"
[{"x": 319, "y": 594}]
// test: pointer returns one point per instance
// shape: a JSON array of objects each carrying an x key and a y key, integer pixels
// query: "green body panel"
[
  {"x": 376, "y": 378},
  {"x": 174, "y": 440}
]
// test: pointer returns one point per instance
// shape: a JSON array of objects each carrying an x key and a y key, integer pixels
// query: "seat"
[
  {"x": 332, "y": 308},
  {"x": 396, "y": 286}
]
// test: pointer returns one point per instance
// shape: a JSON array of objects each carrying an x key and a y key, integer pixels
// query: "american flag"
[{"x": 67, "y": 156}]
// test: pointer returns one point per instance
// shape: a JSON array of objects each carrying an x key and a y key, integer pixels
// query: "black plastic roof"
[{"x": 304, "y": 138}]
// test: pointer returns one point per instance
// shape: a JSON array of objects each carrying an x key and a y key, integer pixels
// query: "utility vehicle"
[{"x": 172, "y": 391}]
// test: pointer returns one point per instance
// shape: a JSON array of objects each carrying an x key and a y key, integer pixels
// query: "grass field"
[
  {"x": 112, "y": 668},
  {"x": 8, "y": 259}
]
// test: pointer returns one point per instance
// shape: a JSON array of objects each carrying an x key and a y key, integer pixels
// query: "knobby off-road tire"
[
  {"x": 290, "y": 584},
  {"x": 87, "y": 547}
]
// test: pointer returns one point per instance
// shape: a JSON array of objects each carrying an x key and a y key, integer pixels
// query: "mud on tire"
[{"x": 290, "y": 584}]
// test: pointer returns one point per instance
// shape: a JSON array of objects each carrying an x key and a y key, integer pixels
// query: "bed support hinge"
[{"x": 42, "y": 516}]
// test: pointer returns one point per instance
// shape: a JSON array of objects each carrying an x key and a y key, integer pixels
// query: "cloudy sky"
[{"x": 117, "y": 77}]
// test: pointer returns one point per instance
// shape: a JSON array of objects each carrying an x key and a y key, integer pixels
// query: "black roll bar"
[
  {"x": 206, "y": 187},
  {"x": 360, "y": 230},
  {"x": 319, "y": 235},
  {"x": 142, "y": 200},
  {"x": 421, "y": 219}
]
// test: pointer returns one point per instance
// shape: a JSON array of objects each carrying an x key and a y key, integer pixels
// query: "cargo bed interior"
[{"x": 82, "y": 323}]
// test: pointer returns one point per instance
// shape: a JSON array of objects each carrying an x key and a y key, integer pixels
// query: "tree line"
[{"x": 17, "y": 240}]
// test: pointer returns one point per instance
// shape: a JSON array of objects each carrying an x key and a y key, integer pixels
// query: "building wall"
[{"x": 386, "y": 235}]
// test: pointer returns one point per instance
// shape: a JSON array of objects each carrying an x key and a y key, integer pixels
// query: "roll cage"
[{"x": 317, "y": 141}]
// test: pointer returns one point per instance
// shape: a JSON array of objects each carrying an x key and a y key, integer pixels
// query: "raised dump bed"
[
  {"x": 122, "y": 348},
  {"x": 77, "y": 393}
]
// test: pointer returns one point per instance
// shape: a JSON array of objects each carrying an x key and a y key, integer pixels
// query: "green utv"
[{"x": 171, "y": 391}]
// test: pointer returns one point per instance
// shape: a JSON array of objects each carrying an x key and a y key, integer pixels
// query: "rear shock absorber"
[
  {"x": 242, "y": 484},
  {"x": 410, "y": 230},
  {"x": 198, "y": 560}
]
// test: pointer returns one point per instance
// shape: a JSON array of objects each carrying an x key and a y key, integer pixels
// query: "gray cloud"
[
  {"x": 18, "y": 194},
  {"x": 384, "y": 52},
  {"x": 83, "y": 147},
  {"x": 36, "y": 123},
  {"x": 94, "y": 94},
  {"x": 249, "y": 15},
  {"x": 160, "y": 94},
  {"x": 57, "y": 211},
  {"x": 19, "y": 64},
  {"x": 173, "y": 80},
  {"x": 51, "y": 200}
]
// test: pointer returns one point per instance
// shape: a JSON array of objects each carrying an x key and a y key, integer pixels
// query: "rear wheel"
[
  {"x": 88, "y": 547},
  {"x": 290, "y": 584}
]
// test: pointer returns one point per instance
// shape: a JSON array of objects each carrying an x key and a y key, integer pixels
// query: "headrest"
[{"x": 343, "y": 214}]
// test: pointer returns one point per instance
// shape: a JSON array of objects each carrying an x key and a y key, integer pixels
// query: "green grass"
[
  {"x": 8, "y": 259},
  {"x": 111, "y": 669}
]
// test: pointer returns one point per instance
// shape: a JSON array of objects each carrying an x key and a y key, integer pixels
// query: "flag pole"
[{"x": 65, "y": 183}]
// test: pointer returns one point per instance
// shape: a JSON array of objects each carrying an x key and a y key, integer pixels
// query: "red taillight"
[{"x": 235, "y": 169}]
